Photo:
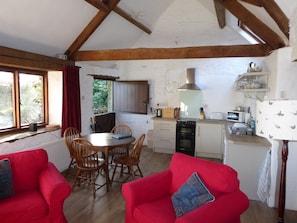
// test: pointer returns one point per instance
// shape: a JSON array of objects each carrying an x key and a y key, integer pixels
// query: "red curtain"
[{"x": 71, "y": 110}]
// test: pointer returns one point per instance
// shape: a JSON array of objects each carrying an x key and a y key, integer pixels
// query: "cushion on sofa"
[
  {"x": 6, "y": 183},
  {"x": 26, "y": 205},
  {"x": 191, "y": 195},
  {"x": 223, "y": 178}
]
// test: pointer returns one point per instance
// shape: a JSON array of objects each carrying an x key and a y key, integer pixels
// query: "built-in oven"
[{"x": 185, "y": 136}]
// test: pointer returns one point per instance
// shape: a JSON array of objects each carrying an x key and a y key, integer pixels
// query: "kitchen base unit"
[
  {"x": 209, "y": 139},
  {"x": 246, "y": 154},
  {"x": 164, "y": 135}
]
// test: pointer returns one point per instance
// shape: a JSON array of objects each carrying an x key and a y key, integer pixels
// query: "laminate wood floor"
[{"x": 109, "y": 207}]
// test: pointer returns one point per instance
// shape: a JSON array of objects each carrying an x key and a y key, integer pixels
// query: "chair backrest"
[
  {"x": 136, "y": 151},
  {"x": 121, "y": 129},
  {"x": 70, "y": 134},
  {"x": 85, "y": 155},
  {"x": 218, "y": 178}
]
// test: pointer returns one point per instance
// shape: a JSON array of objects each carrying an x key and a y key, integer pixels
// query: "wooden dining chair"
[
  {"x": 70, "y": 134},
  {"x": 129, "y": 161},
  {"x": 120, "y": 129},
  {"x": 89, "y": 165}
]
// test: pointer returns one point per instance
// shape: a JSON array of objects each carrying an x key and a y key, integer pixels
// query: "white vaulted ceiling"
[{"x": 49, "y": 27}]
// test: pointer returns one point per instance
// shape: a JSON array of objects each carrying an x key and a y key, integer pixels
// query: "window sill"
[{"x": 22, "y": 135}]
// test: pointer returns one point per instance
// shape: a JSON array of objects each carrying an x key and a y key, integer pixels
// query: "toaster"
[{"x": 216, "y": 115}]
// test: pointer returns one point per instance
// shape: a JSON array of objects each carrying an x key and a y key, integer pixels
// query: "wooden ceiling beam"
[
  {"x": 90, "y": 29},
  {"x": 174, "y": 53},
  {"x": 254, "y": 24},
  {"x": 277, "y": 14},
  {"x": 221, "y": 13},
  {"x": 126, "y": 16},
  {"x": 24, "y": 59},
  {"x": 98, "y": 4},
  {"x": 253, "y": 2}
]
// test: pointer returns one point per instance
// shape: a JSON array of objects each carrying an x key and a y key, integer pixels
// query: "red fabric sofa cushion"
[
  {"x": 160, "y": 210},
  {"x": 26, "y": 168},
  {"x": 217, "y": 178},
  {"x": 26, "y": 205}
]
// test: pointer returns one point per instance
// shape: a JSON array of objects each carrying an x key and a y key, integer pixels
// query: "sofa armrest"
[
  {"x": 144, "y": 190},
  {"x": 54, "y": 187},
  {"x": 227, "y": 208}
]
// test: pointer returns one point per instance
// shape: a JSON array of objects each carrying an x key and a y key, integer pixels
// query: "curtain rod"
[{"x": 104, "y": 77}]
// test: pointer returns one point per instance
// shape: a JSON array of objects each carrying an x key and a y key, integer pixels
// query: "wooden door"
[{"x": 131, "y": 96}]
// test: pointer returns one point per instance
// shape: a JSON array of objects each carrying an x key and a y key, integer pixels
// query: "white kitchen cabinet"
[
  {"x": 164, "y": 135},
  {"x": 209, "y": 140},
  {"x": 246, "y": 155}
]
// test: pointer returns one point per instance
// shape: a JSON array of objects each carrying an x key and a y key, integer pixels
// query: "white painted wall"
[
  {"x": 283, "y": 82},
  {"x": 55, "y": 92},
  {"x": 216, "y": 77},
  {"x": 50, "y": 141}
]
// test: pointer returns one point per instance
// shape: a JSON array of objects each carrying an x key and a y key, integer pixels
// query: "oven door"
[
  {"x": 185, "y": 130},
  {"x": 185, "y": 144}
]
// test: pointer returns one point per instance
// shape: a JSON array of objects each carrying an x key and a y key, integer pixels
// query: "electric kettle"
[{"x": 158, "y": 112}]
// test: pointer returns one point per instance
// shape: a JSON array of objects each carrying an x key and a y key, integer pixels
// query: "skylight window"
[
  {"x": 248, "y": 34},
  {"x": 242, "y": 29}
]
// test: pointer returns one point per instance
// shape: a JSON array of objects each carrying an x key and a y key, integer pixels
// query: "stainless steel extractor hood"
[{"x": 190, "y": 82}]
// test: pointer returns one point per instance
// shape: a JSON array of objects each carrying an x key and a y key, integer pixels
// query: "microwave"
[{"x": 236, "y": 116}]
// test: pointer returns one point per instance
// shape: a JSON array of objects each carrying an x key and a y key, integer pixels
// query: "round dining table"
[{"x": 103, "y": 142}]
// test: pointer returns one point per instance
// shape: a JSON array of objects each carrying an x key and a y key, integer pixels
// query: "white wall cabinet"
[
  {"x": 164, "y": 135},
  {"x": 209, "y": 140}
]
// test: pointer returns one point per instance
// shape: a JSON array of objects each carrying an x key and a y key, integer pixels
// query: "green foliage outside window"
[
  {"x": 28, "y": 99},
  {"x": 6, "y": 100},
  {"x": 31, "y": 93},
  {"x": 101, "y": 93}
]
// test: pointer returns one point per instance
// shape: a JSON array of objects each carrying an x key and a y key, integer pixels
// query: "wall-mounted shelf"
[
  {"x": 252, "y": 82},
  {"x": 254, "y": 90}
]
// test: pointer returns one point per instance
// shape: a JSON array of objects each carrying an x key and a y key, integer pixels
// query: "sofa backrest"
[
  {"x": 217, "y": 177},
  {"x": 26, "y": 166}
]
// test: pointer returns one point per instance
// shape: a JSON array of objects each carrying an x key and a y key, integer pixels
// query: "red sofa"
[
  {"x": 148, "y": 200},
  {"x": 39, "y": 190}
]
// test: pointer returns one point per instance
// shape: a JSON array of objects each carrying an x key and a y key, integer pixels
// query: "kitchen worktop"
[
  {"x": 246, "y": 139},
  {"x": 167, "y": 119},
  {"x": 197, "y": 120},
  {"x": 234, "y": 139}
]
